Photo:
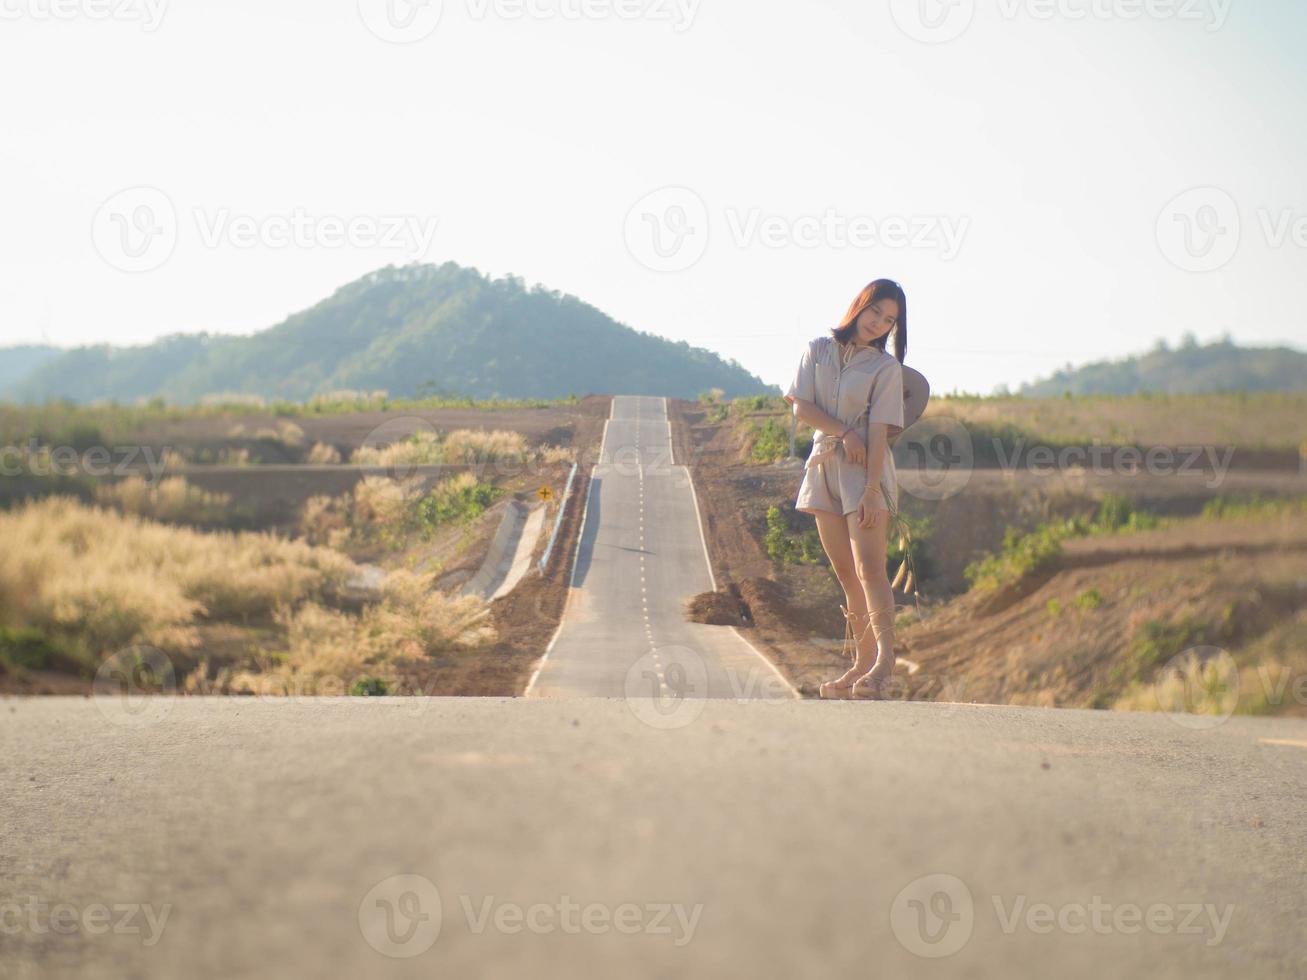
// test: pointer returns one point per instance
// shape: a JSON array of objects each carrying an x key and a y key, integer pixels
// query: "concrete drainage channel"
[{"x": 509, "y": 557}]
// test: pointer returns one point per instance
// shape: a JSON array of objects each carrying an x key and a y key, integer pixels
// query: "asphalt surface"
[
  {"x": 468, "y": 837},
  {"x": 641, "y": 554}
]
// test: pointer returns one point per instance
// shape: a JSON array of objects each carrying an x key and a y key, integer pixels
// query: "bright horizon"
[{"x": 1068, "y": 189}]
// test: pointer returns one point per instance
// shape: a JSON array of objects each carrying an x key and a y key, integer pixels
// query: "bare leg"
[
  {"x": 834, "y": 533},
  {"x": 869, "y": 550}
]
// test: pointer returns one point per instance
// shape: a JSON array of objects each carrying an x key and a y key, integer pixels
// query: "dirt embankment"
[{"x": 1112, "y": 610}]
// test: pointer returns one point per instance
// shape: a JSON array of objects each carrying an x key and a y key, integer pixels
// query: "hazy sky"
[{"x": 1051, "y": 180}]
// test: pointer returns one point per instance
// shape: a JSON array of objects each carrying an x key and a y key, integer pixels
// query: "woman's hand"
[
  {"x": 871, "y": 508},
  {"x": 854, "y": 448}
]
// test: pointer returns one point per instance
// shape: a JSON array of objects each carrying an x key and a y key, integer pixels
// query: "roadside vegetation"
[
  {"x": 1027, "y": 553},
  {"x": 394, "y": 513},
  {"x": 81, "y": 583},
  {"x": 61, "y": 422}
]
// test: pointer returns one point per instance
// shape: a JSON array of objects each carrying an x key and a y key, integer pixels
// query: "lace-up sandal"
[
  {"x": 871, "y": 685},
  {"x": 842, "y": 687}
]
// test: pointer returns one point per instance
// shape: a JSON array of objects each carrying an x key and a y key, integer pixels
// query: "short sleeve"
[
  {"x": 804, "y": 385},
  {"x": 885, "y": 402}
]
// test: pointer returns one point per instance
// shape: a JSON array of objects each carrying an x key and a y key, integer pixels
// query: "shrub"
[
  {"x": 173, "y": 500},
  {"x": 1089, "y": 599},
  {"x": 787, "y": 547},
  {"x": 331, "y": 653},
  {"x": 769, "y": 441},
  {"x": 323, "y": 454},
  {"x": 26, "y": 648}
]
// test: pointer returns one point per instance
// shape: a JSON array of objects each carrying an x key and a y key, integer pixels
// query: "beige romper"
[{"x": 869, "y": 388}]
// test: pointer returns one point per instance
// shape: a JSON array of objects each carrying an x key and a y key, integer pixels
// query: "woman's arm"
[
  {"x": 877, "y": 445},
  {"x": 808, "y": 413},
  {"x": 872, "y": 503}
]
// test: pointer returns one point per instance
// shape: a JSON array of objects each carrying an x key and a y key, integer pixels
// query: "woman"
[{"x": 850, "y": 390}]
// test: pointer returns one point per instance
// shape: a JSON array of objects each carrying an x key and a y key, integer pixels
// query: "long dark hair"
[{"x": 878, "y": 290}]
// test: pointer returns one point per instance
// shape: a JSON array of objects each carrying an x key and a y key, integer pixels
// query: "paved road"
[
  {"x": 565, "y": 838},
  {"x": 640, "y": 556}
]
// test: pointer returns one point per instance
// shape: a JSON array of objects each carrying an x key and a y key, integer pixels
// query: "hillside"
[
  {"x": 416, "y": 330},
  {"x": 19, "y": 362},
  {"x": 1189, "y": 369}
]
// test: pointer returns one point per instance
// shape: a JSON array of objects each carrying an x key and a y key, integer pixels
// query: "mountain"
[
  {"x": 1187, "y": 369},
  {"x": 17, "y": 363},
  {"x": 411, "y": 330}
]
